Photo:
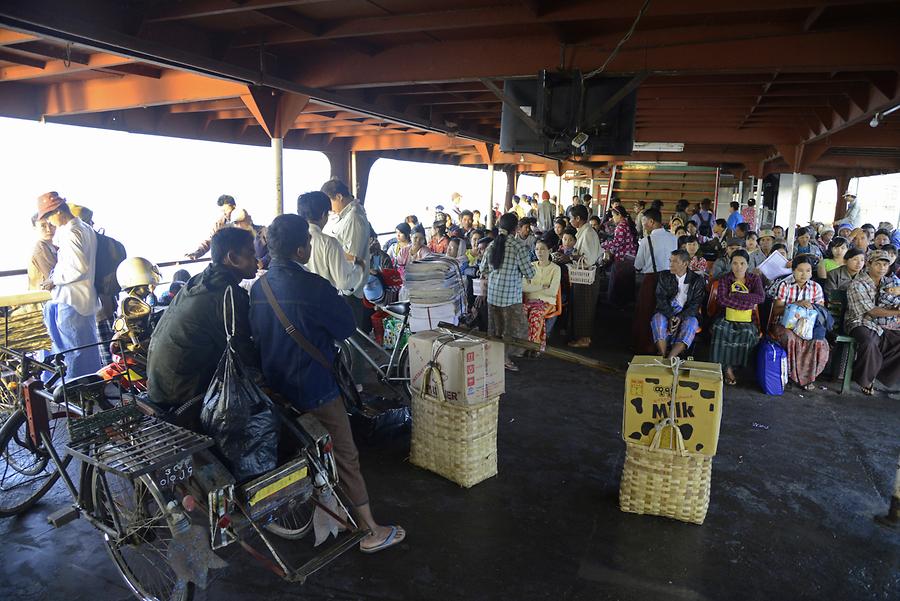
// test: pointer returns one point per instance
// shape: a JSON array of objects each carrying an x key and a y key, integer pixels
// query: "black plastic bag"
[
  {"x": 239, "y": 417},
  {"x": 377, "y": 420}
]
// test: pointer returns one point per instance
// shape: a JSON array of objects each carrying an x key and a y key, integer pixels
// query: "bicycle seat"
[
  {"x": 400, "y": 308},
  {"x": 76, "y": 386}
]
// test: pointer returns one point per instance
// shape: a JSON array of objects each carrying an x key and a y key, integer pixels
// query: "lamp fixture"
[{"x": 658, "y": 147}]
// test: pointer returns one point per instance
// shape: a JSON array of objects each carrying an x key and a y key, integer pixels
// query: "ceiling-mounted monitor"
[{"x": 569, "y": 115}]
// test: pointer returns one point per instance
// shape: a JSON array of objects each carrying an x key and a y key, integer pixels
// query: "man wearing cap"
[
  {"x": 873, "y": 319},
  {"x": 723, "y": 264},
  {"x": 226, "y": 205},
  {"x": 851, "y": 215},
  {"x": 70, "y": 315}
]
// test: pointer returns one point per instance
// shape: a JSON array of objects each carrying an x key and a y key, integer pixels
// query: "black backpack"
[
  {"x": 705, "y": 228},
  {"x": 110, "y": 252}
]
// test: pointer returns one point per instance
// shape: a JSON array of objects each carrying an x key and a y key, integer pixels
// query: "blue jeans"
[{"x": 69, "y": 329}]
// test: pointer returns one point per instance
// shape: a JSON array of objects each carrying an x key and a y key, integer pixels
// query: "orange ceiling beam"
[
  {"x": 130, "y": 91},
  {"x": 396, "y": 142},
  {"x": 8, "y": 37},
  {"x": 99, "y": 60}
]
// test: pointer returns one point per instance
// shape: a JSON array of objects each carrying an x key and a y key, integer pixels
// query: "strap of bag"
[
  {"x": 292, "y": 331},
  {"x": 652, "y": 254}
]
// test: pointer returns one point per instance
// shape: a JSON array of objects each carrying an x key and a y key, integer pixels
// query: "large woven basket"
[
  {"x": 672, "y": 483},
  {"x": 456, "y": 442},
  {"x": 581, "y": 273}
]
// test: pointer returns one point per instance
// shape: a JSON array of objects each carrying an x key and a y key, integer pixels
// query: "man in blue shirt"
[
  {"x": 735, "y": 217},
  {"x": 318, "y": 313}
]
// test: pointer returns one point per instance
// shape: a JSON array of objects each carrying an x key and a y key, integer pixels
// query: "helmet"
[
  {"x": 374, "y": 290},
  {"x": 137, "y": 271}
]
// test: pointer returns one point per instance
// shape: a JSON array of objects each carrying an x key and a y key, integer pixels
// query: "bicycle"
[
  {"x": 395, "y": 373},
  {"x": 34, "y": 427},
  {"x": 162, "y": 500}
]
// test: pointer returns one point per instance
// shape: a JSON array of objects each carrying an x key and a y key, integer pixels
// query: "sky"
[{"x": 158, "y": 195}]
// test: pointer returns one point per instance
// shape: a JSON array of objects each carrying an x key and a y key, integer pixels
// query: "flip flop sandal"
[
  {"x": 396, "y": 536},
  {"x": 868, "y": 390},
  {"x": 730, "y": 381},
  {"x": 511, "y": 366}
]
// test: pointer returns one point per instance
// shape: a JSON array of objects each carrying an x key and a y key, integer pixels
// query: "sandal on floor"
[
  {"x": 868, "y": 390},
  {"x": 396, "y": 536},
  {"x": 730, "y": 381},
  {"x": 810, "y": 386},
  {"x": 511, "y": 366}
]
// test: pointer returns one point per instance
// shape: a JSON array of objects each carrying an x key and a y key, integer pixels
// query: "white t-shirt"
[{"x": 682, "y": 294}]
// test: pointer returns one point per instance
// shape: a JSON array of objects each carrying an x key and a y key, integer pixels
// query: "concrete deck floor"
[{"x": 790, "y": 515}]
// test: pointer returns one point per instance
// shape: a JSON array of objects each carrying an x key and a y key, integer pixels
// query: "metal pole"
[
  {"x": 490, "y": 208},
  {"x": 278, "y": 147},
  {"x": 792, "y": 215}
]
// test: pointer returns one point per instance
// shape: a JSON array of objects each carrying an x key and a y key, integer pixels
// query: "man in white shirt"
[
  {"x": 327, "y": 257},
  {"x": 70, "y": 315},
  {"x": 653, "y": 255},
  {"x": 348, "y": 223},
  {"x": 584, "y": 296},
  {"x": 660, "y": 240}
]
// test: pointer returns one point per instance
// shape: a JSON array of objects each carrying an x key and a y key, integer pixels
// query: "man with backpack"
[
  {"x": 70, "y": 315},
  {"x": 704, "y": 219},
  {"x": 110, "y": 253}
]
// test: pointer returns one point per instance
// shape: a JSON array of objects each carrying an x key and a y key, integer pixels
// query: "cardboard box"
[
  {"x": 472, "y": 368},
  {"x": 698, "y": 406}
]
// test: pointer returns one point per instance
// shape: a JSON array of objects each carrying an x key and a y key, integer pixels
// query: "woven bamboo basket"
[
  {"x": 581, "y": 273},
  {"x": 672, "y": 483},
  {"x": 456, "y": 442}
]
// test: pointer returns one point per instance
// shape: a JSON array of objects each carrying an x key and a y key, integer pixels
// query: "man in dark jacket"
[
  {"x": 316, "y": 311},
  {"x": 190, "y": 339},
  {"x": 679, "y": 295}
]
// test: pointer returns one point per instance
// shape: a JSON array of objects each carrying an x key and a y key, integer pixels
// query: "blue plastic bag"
[{"x": 771, "y": 367}]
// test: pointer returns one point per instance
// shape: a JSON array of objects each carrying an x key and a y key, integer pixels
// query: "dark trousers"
[
  {"x": 877, "y": 357},
  {"x": 333, "y": 416}
]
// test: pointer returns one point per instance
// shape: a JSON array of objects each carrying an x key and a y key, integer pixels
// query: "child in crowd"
[
  {"x": 698, "y": 264},
  {"x": 568, "y": 241}
]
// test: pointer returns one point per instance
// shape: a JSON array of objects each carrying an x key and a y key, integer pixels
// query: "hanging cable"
[{"x": 621, "y": 43}]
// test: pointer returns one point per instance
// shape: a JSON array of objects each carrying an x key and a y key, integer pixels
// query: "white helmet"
[{"x": 137, "y": 271}]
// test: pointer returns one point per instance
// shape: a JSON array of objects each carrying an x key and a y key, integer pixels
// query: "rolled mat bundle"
[{"x": 27, "y": 331}]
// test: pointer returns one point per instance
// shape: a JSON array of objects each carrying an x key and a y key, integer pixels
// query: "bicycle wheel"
[
  {"x": 295, "y": 522},
  {"x": 142, "y": 555},
  {"x": 9, "y": 391},
  {"x": 26, "y": 470}
]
